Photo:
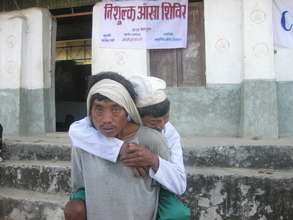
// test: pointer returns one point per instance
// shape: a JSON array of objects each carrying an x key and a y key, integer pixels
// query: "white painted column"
[
  {"x": 124, "y": 61},
  {"x": 259, "y": 112},
  {"x": 26, "y": 79},
  {"x": 258, "y": 39},
  {"x": 223, "y": 41},
  {"x": 12, "y": 34},
  {"x": 11, "y": 52}
]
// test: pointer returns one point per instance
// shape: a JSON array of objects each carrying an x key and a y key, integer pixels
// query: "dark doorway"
[{"x": 73, "y": 63}]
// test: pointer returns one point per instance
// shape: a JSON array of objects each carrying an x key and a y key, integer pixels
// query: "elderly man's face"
[{"x": 108, "y": 117}]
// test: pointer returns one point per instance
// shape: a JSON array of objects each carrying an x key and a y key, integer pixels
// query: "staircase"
[
  {"x": 231, "y": 179},
  {"x": 228, "y": 179},
  {"x": 34, "y": 178}
]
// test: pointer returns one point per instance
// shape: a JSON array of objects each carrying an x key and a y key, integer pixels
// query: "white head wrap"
[
  {"x": 117, "y": 93},
  {"x": 150, "y": 90}
]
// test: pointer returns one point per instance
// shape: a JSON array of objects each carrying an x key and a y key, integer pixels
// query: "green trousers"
[{"x": 170, "y": 208}]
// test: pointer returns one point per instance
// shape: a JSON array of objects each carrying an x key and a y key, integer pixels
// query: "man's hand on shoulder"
[{"x": 135, "y": 155}]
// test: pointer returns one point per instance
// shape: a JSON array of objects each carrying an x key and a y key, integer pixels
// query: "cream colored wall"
[
  {"x": 283, "y": 64},
  {"x": 223, "y": 41},
  {"x": 26, "y": 49},
  {"x": 239, "y": 43}
]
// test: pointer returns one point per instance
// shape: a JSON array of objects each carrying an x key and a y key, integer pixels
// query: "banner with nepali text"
[
  {"x": 283, "y": 23},
  {"x": 143, "y": 24}
]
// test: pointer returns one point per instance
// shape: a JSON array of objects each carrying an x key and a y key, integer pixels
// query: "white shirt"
[{"x": 171, "y": 174}]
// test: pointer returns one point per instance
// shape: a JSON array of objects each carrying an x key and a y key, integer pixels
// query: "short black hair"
[
  {"x": 156, "y": 110},
  {"x": 113, "y": 76}
]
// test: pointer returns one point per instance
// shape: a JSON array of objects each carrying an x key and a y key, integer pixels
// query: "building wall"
[
  {"x": 283, "y": 61},
  {"x": 200, "y": 111},
  {"x": 214, "y": 110},
  {"x": 247, "y": 91},
  {"x": 26, "y": 74},
  {"x": 248, "y": 87},
  {"x": 223, "y": 41}
]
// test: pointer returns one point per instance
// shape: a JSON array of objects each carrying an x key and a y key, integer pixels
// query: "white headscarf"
[{"x": 116, "y": 92}]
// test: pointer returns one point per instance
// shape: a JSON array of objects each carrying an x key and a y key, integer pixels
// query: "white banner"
[
  {"x": 283, "y": 23},
  {"x": 143, "y": 24}
]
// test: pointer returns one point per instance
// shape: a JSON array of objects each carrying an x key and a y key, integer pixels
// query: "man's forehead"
[
  {"x": 106, "y": 101},
  {"x": 151, "y": 117}
]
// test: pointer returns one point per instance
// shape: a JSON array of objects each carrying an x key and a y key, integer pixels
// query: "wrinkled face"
[
  {"x": 108, "y": 117},
  {"x": 157, "y": 123}
]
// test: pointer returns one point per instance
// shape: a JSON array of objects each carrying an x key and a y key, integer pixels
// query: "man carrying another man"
[
  {"x": 111, "y": 189},
  {"x": 153, "y": 106}
]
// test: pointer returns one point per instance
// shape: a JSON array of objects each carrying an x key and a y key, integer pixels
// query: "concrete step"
[
  {"x": 242, "y": 153},
  {"x": 41, "y": 176},
  {"x": 238, "y": 193},
  {"x": 35, "y": 150},
  {"x": 212, "y": 192},
  {"x": 222, "y": 152},
  {"x": 242, "y": 156},
  {"x": 28, "y": 205}
]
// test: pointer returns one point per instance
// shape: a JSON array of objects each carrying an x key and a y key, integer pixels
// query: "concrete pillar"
[
  {"x": 223, "y": 40},
  {"x": 12, "y": 36},
  {"x": 125, "y": 61},
  {"x": 26, "y": 78},
  {"x": 259, "y": 108}
]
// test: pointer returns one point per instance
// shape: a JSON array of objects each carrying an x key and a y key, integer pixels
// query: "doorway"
[{"x": 73, "y": 63}]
